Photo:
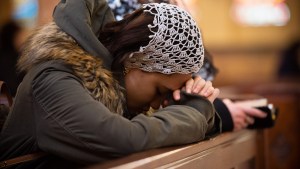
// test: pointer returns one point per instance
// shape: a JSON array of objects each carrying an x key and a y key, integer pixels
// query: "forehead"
[{"x": 174, "y": 81}]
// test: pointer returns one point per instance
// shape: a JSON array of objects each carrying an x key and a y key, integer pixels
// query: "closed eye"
[{"x": 164, "y": 93}]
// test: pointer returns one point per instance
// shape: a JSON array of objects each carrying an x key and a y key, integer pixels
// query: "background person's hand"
[{"x": 242, "y": 115}]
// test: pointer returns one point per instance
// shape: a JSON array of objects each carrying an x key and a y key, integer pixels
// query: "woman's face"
[{"x": 145, "y": 90}]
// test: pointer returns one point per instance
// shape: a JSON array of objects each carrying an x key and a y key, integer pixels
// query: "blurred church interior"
[{"x": 254, "y": 44}]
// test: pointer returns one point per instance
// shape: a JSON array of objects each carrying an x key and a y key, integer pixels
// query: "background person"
[{"x": 9, "y": 53}]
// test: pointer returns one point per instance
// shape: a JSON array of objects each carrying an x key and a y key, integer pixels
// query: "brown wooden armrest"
[{"x": 227, "y": 150}]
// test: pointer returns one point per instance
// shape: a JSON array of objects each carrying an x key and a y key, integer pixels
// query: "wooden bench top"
[{"x": 226, "y": 150}]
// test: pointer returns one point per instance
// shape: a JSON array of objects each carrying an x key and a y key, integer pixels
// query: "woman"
[
  {"x": 234, "y": 116},
  {"x": 71, "y": 101}
]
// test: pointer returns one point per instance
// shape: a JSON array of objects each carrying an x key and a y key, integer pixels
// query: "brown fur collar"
[{"x": 51, "y": 43}]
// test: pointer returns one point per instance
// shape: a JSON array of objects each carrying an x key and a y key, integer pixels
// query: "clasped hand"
[{"x": 198, "y": 86}]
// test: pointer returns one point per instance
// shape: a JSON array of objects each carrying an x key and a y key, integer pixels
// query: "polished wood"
[
  {"x": 228, "y": 150},
  {"x": 282, "y": 142}
]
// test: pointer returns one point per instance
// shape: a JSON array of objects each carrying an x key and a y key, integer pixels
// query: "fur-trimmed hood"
[
  {"x": 51, "y": 43},
  {"x": 83, "y": 20}
]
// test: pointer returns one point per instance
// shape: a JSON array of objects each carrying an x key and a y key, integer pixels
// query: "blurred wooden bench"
[
  {"x": 279, "y": 146},
  {"x": 236, "y": 150}
]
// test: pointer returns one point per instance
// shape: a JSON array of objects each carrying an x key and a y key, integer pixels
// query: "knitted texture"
[{"x": 175, "y": 45}]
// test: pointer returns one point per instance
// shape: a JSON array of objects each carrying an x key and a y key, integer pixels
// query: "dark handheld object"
[{"x": 267, "y": 122}]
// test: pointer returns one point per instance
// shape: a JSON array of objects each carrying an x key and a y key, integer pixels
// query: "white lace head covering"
[{"x": 175, "y": 45}]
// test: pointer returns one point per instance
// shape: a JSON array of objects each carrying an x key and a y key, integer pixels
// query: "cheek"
[{"x": 139, "y": 97}]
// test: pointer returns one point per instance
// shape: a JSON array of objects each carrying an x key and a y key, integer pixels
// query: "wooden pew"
[
  {"x": 279, "y": 146},
  {"x": 236, "y": 150}
]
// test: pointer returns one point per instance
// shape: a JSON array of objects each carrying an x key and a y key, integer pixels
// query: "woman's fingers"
[
  {"x": 198, "y": 85},
  {"x": 189, "y": 85},
  {"x": 195, "y": 85},
  {"x": 214, "y": 95},
  {"x": 176, "y": 94},
  {"x": 208, "y": 91}
]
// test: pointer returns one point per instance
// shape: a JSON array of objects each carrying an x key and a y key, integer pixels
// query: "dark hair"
[
  {"x": 208, "y": 71},
  {"x": 127, "y": 35},
  {"x": 208, "y": 65}
]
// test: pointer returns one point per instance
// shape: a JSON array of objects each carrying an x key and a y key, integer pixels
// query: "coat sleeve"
[
  {"x": 72, "y": 125},
  {"x": 227, "y": 121}
]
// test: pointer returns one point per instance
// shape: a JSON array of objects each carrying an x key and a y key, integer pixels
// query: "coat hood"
[
  {"x": 83, "y": 20},
  {"x": 50, "y": 43}
]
